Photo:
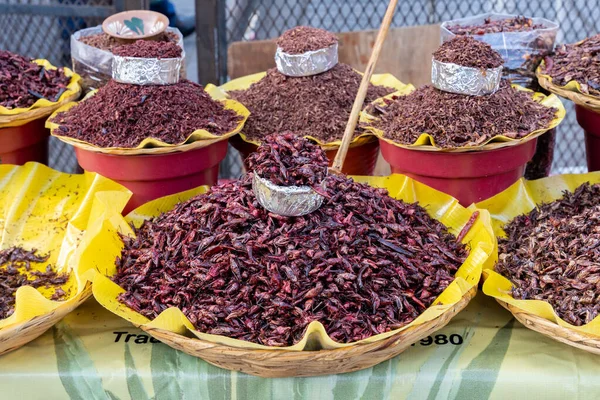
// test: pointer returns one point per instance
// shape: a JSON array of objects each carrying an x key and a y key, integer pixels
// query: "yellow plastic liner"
[
  {"x": 521, "y": 198},
  {"x": 440, "y": 206},
  {"x": 72, "y": 88},
  {"x": 55, "y": 213},
  {"x": 152, "y": 143},
  {"x": 245, "y": 82},
  {"x": 426, "y": 142}
]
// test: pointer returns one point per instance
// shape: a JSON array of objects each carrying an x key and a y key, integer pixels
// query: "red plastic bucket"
[
  {"x": 590, "y": 122},
  {"x": 21, "y": 144},
  {"x": 152, "y": 176},
  {"x": 360, "y": 160},
  {"x": 469, "y": 177}
]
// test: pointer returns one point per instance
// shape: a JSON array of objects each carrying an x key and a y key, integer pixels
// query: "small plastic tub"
[
  {"x": 360, "y": 159},
  {"x": 21, "y": 144},
  {"x": 469, "y": 177},
  {"x": 590, "y": 122},
  {"x": 152, "y": 176}
]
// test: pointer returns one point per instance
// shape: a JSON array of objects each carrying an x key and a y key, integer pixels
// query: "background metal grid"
[{"x": 41, "y": 28}]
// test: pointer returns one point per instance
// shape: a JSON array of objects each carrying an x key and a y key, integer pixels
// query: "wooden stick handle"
[{"x": 338, "y": 162}]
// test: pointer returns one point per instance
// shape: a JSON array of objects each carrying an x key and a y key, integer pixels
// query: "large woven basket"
[
  {"x": 14, "y": 336},
  {"x": 585, "y": 100},
  {"x": 282, "y": 363}
]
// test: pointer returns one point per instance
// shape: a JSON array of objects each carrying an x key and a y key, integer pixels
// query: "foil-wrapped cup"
[
  {"x": 455, "y": 78},
  {"x": 289, "y": 201},
  {"x": 306, "y": 64},
  {"x": 146, "y": 71}
]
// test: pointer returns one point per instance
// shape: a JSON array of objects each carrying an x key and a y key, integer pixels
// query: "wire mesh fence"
[{"x": 41, "y": 28}]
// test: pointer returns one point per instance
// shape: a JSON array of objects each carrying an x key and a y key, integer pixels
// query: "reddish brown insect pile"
[
  {"x": 301, "y": 39},
  {"x": 457, "y": 120},
  {"x": 552, "y": 254},
  {"x": 362, "y": 264},
  {"x": 149, "y": 49},
  {"x": 123, "y": 115},
  {"x": 23, "y": 82},
  {"x": 104, "y": 41},
  {"x": 468, "y": 52},
  {"x": 516, "y": 24},
  {"x": 289, "y": 160},
  {"x": 317, "y": 106},
  {"x": 577, "y": 62},
  {"x": 13, "y": 264}
]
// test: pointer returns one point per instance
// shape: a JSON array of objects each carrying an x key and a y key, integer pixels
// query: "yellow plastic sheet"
[
  {"x": 151, "y": 143},
  {"x": 426, "y": 142},
  {"x": 72, "y": 89},
  {"x": 440, "y": 206},
  {"x": 245, "y": 82},
  {"x": 521, "y": 198},
  {"x": 54, "y": 213}
]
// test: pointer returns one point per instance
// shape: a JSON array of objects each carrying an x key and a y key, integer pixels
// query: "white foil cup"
[
  {"x": 455, "y": 78},
  {"x": 289, "y": 201},
  {"x": 307, "y": 64},
  {"x": 146, "y": 71}
]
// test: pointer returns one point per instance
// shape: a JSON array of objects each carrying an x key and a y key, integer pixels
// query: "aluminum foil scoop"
[{"x": 289, "y": 201}]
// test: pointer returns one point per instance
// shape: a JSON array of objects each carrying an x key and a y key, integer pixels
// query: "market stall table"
[{"x": 483, "y": 352}]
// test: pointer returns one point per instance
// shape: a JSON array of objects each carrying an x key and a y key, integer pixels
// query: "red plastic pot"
[
  {"x": 590, "y": 122},
  {"x": 469, "y": 177},
  {"x": 360, "y": 160},
  {"x": 21, "y": 144},
  {"x": 152, "y": 176}
]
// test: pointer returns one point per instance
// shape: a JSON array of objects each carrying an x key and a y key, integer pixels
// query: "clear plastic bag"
[{"x": 94, "y": 65}]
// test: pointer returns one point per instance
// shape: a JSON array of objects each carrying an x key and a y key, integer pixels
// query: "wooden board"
[{"x": 406, "y": 54}]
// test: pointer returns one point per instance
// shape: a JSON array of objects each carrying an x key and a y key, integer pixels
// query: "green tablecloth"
[{"x": 482, "y": 353}]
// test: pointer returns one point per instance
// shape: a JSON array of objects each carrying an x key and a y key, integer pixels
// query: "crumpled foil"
[
  {"x": 146, "y": 71},
  {"x": 455, "y": 78},
  {"x": 306, "y": 64},
  {"x": 289, "y": 201}
]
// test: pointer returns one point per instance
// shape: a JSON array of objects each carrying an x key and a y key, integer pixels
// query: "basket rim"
[
  {"x": 584, "y": 100},
  {"x": 580, "y": 340},
  {"x": 19, "y": 334}
]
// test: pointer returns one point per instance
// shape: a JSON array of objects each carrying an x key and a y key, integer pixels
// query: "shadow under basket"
[
  {"x": 25, "y": 143},
  {"x": 590, "y": 122},
  {"x": 360, "y": 159},
  {"x": 469, "y": 177},
  {"x": 152, "y": 176}
]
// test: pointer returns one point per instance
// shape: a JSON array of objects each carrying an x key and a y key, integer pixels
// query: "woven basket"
[
  {"x": 282, "y": 363},
  {"x": 554, "y": 331},
  {"x": 584, "y": 100},
  {"x": 14, "y": 336}
]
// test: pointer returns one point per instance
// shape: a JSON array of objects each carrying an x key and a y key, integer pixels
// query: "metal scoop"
[{"x": 293, "y": 201}]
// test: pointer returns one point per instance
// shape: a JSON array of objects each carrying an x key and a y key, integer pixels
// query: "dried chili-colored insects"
[
  {"x": 149, "y": 49},
  {"x": 104, "y": 41},
  {"x": 317, "y": 106},
  {"x": 468, "y": 52},
  {"x": 301, "y": 39},
  {"x": 578, "y": 62},
  {"x": 552, "y": 254},
  {"x": 289, "y": 160},
  {"x": 362, "y": 264},
  {"x": 23, "y": 82},
  {"x": 123, "y": 115},
  {"x": 15, "y": 272},
  {"x": 456, "y": 120},
  {"x": 515, "y": 24}
]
